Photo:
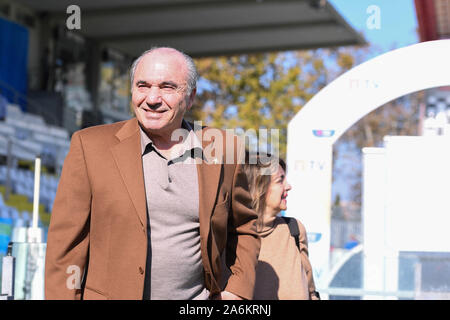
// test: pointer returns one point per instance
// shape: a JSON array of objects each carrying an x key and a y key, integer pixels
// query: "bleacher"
[
  {"x": 22, "y": 182},
  {"x": 31, "y": 136},
  {"x": 24, "y": 136}
]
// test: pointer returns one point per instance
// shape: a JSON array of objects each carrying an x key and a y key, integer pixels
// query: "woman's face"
[{"x": 277, "y": 192}]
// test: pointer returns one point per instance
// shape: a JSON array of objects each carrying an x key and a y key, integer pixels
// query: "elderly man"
[{"x": 140, "y": 214}]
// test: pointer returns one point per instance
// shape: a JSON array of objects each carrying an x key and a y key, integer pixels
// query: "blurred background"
[{"x": 64, "y": 66}]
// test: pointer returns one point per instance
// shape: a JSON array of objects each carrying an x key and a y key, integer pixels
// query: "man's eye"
[{"x": 168, "y": 89}]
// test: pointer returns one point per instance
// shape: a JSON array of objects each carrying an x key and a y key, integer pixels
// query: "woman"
[{"x": 283, "y": 271}]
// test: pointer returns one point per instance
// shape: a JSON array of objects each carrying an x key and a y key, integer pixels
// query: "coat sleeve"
[
  {"x": 243, "y": 242},
  {"x": 305, "y": 260},
  {"x": 68, "y": 234}
]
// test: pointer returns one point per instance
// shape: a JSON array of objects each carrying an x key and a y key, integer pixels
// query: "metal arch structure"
[{"x": 320, "y": 123}]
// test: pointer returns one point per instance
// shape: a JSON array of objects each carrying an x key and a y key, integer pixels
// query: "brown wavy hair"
[{"x": 255, "y": 168}]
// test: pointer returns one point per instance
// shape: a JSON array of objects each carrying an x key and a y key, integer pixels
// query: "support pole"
[
  {"x": 35, "y": 233},
  {"x": 8, "y": 268}
]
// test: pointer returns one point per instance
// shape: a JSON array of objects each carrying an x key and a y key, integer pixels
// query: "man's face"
[{"x": 159, "y": 94}]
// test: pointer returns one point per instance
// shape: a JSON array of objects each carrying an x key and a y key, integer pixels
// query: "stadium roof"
[{"x": 207, "y": 27}]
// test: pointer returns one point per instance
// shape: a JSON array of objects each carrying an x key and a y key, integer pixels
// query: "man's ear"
[{"x": 191, "y": 98}]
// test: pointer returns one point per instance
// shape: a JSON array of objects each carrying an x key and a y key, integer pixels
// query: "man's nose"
[{"x": 154, "y": 96}]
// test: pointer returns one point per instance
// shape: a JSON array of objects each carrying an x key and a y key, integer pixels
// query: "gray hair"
[{"x": 190, "y": 64}]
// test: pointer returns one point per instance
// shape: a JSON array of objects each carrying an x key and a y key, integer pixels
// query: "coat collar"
[
  {"x": 127, "y": 155},
  {"x": 209, "y": 171}
]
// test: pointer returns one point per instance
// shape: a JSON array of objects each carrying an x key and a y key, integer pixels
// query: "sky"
[
  {"x": 397, "y": 21},
  {"x": 397, "y": 28}
]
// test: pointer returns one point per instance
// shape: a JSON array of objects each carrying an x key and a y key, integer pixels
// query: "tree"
[
  {"x": 266, "y": 90},
  {"x": 263, "y": 90}
]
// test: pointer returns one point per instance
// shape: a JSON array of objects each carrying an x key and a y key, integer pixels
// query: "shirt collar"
[{"x": 190, "y": 141}]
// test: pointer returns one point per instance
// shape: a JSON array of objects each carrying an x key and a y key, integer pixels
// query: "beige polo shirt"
[{"x": 174, "y": 263}]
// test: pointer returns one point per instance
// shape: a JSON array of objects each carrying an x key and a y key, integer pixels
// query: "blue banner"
[
  {"x": 13, "y": 60},
  {"x": 5, "y": 234}
]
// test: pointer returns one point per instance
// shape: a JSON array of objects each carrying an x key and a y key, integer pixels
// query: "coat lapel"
[
  {"x": 127, "y": 154},
  {"x": 209, "y": 171}
]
